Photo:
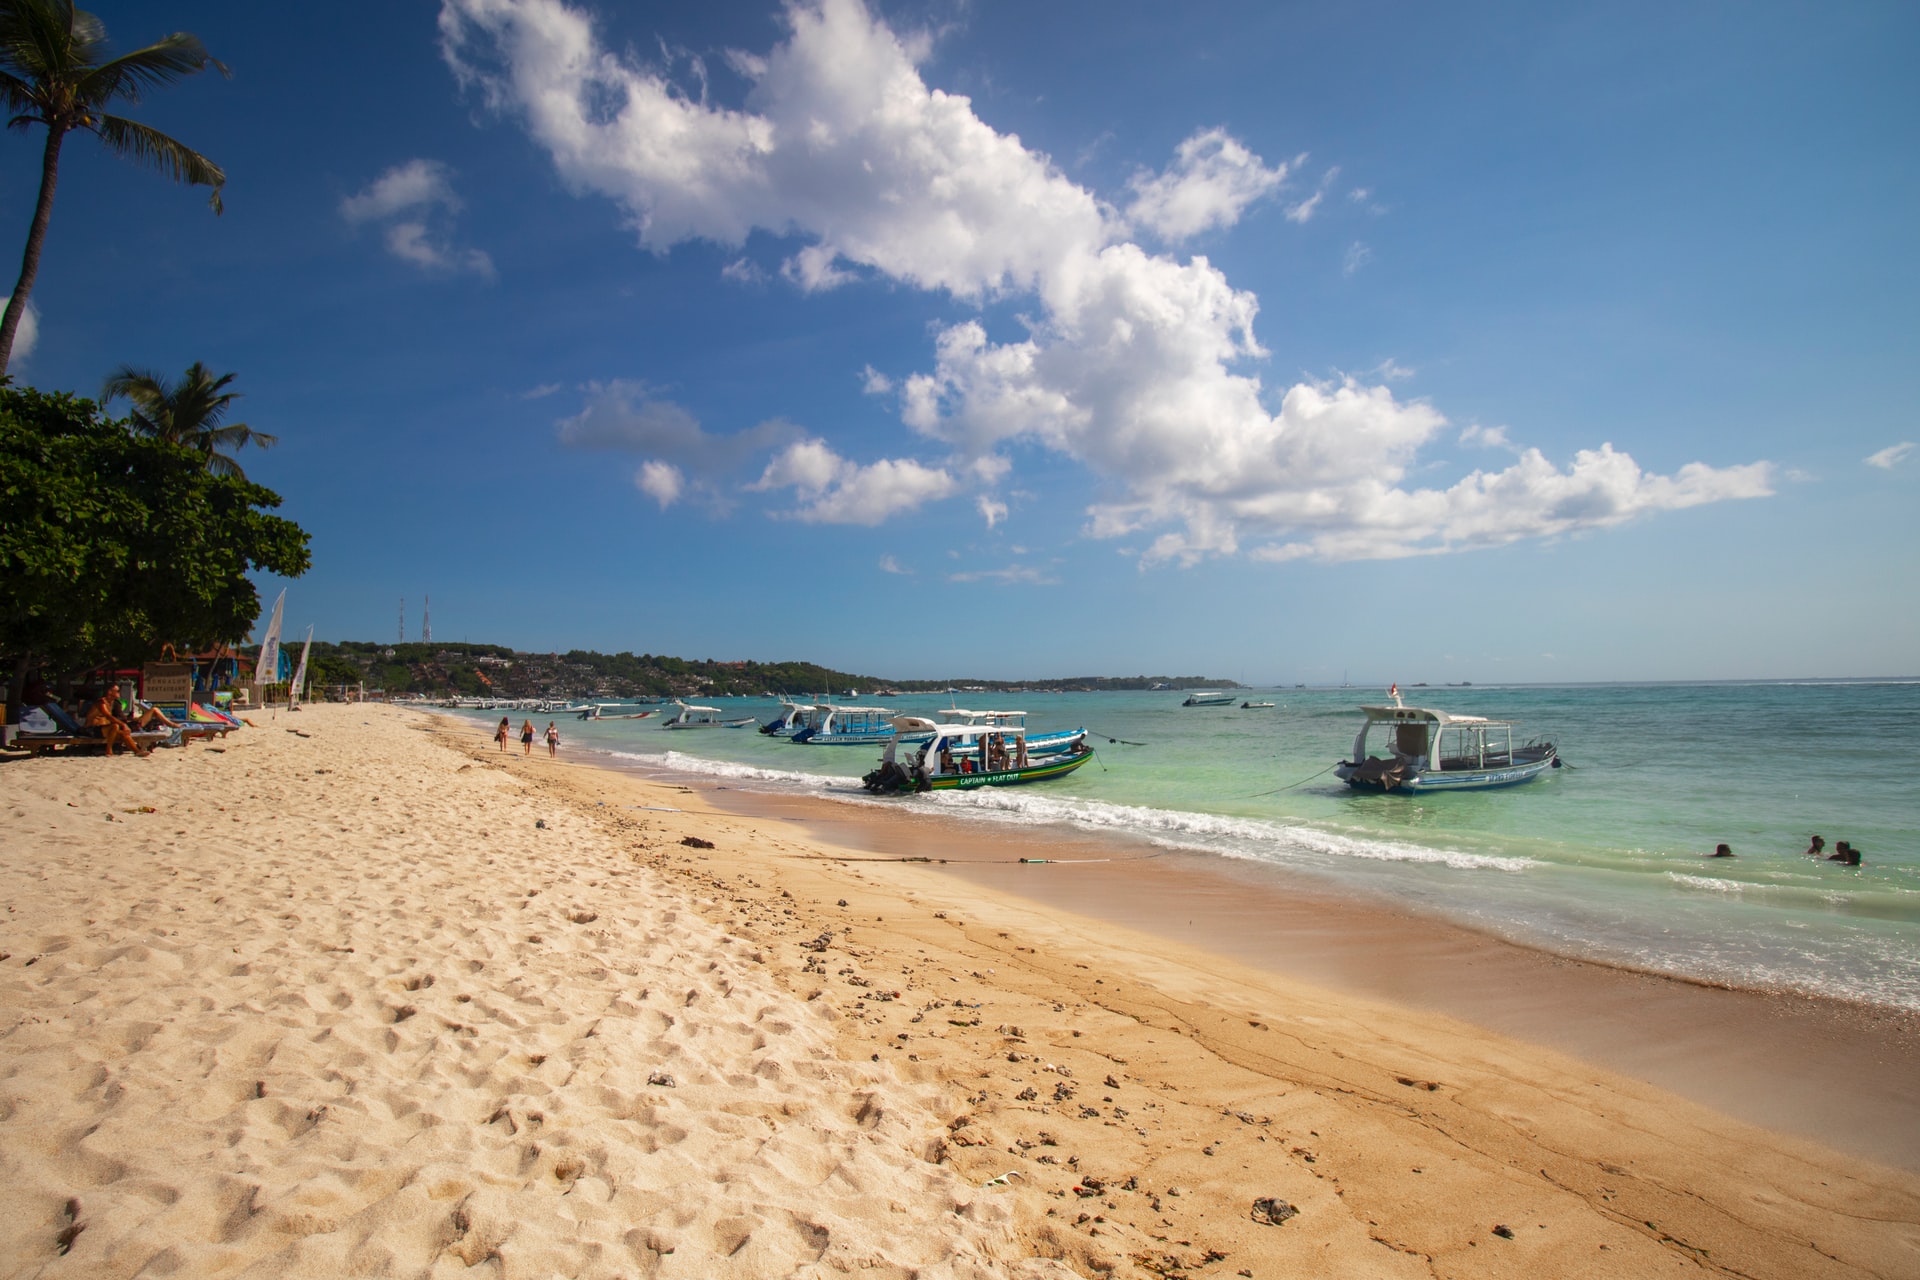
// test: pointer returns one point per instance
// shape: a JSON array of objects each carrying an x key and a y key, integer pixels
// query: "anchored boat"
[
  {"x": 845, "y": 727},
  {"x": 792, "y": 718},
  {"x": 1208, "y": 698},
  {"x": 1418, "y": 750},
  {"x": 1037, "y": 743},
  {"x": 691, "y": 717},
  {"x": 963, "y": 756}
]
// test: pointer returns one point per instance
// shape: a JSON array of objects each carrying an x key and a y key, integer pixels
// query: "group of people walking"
[{"x": 504, "y": 734}]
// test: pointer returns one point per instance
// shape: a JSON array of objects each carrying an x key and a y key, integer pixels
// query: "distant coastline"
[{"x": 459, "y": 667}]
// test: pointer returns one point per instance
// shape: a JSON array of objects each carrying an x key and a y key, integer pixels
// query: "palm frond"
[
  {"x": 160, "y": 63},
  {"x": 239, "y": 436},
  {"x": 221, "y": 465},
  {"x": 138, "y": 385},
  {"x": 36, "y": 36},
  {"x": 16, "y": 93},
  {"x": 174, "y": 158}
]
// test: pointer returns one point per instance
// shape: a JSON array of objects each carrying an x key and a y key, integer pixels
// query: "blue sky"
[{"x": 1270, "y": 342}]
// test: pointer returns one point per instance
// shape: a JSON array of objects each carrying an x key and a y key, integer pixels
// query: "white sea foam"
[
  {"x": 1711, "y": 882},
  {"x": 1212, "y": 833},
  {"x": 681, "y": 762}
]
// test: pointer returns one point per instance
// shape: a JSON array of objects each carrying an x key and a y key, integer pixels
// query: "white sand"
[{"x": 340, "y": 1007}]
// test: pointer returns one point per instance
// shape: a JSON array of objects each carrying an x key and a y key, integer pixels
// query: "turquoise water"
[{"x": 1602, "y": 860}]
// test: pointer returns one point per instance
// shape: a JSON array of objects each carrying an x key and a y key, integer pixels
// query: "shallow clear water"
[{"x": 1604, "y": 859}]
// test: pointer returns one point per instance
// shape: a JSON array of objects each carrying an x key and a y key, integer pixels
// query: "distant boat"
[
  {"x": 1208, "y": 698},
  {"x": 1425, "y": 750},
  {"x": 1256, "y": 706},
  {"x": 599, "y": 712},
  {"x": 691, "y": 717}
]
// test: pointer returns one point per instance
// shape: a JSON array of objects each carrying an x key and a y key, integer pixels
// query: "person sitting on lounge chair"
[
  {"x": 144, "y": 715},
  {"x": 110, "y": 728}
]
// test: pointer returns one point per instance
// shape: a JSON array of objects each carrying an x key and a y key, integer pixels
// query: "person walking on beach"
[
  {"x": 526, "y": 737},
  {"x": 553, "y": 740},
  {"x": 504, "y": 732}
]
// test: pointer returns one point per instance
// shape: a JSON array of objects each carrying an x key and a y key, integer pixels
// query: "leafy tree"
[
  {"x": 55, "y": 71},
  {"x": 112, "y": 544},
  {"x": 188, "y": 412}
]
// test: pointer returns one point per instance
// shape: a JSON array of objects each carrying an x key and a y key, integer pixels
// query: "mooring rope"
[{"x": 1291, "y": 785}]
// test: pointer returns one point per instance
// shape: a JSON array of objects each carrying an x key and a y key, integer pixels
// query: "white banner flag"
[
  {"x": 267, "y": 669},
  {"x": 300, "y": 671}
]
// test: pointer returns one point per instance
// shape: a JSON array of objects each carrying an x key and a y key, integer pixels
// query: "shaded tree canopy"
[{"x": 113, "y": 544}]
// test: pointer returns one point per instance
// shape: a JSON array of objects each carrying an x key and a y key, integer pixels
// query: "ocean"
[{"x": 1604, "y": 860}]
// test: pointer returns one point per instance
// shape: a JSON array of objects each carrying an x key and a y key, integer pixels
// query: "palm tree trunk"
[{"x": 36, "y": 237}]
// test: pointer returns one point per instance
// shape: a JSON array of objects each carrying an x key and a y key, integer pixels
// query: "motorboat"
[
  {"x": 1256, "y": 706},
  {"x": 1419, "y": 750},
  {"x": 835, "y": 726},
  {"x": 950, "y": 757},
  {"x": 1208, "y": 698},
  {"x": 1037, "y": 743},
  {"x": 792, "y": 718},
  {"x": 692, "y": 717},
  {"x": 610, "y": 711}
]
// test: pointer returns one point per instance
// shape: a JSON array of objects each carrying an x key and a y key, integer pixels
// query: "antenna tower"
[
  {"x": 426, "y": 621},
  {"x": 403, "y": 621}
]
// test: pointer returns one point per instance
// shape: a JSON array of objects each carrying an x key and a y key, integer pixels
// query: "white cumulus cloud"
[
  {"x": 1141, "y": 366},
  {"x": 1212, "y": 179},
  {"x": 416, "y": 203},
  {"x": 1891, "y": 456},
  {"x": 1012, "y": 575},
  {"x": 661, "y": 481},
  {"x": 833, "y": 490},
  {"x": 681, "y": 458},
  {"x": 27, "y": 333}
]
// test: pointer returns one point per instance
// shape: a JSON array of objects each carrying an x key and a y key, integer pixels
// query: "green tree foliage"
[
  {"x": 57, "y": 71},
  {"x": 112, "y": 544},
  {"x": 191, "y": 412}
]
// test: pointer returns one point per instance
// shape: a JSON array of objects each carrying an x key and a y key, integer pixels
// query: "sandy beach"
[{"x": 360, "y": 994}]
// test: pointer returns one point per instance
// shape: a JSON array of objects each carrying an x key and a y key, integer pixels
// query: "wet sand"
[{"x": 1838, "y": 1073}]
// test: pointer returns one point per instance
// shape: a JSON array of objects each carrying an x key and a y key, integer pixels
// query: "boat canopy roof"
[
  {"x": 916, "y": 725},
  {"x": 1427, "y": 715},
  {"x": 960, "y": 715},
  {"x": 687, "y": 706},
  {"x": 859, "y": 711}
]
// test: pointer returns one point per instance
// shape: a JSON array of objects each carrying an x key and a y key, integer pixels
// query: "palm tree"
[
  {"x": 187, "y": 412},
  {"x": 54, "y": 71}
]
